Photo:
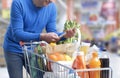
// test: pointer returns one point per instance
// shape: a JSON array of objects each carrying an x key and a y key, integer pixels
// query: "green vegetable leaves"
[{"x": 70, "y": 24}]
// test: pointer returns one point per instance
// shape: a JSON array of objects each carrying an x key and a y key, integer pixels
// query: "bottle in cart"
[
  {"x": 79, "y": 63},
  {"x": 104, "y": 59},
  {"x": 94, "y": 63}
]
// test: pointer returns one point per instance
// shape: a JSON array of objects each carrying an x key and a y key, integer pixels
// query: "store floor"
[
  {"x": 114, "y": 63},
  {"x": 4, "y": 73}
]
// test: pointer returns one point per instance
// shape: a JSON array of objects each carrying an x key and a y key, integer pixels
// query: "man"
[{"x": 28, "y": 19}]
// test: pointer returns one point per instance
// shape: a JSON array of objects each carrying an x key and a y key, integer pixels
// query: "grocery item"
[
  {"x": 92, "y": 49},
  {"x": 84, "y": 47},
  {"x": 104, "y": 59},
  {"x": 79, "y": 63},
  {"x": 67, "y": 57},
  {"x": 41, "y": 62},
  {"x": 94, "y": 63},
  {"x": 56, "y": 56},
  {"x": 52, "y": 44},
  {"x": 70, "y": 24}
]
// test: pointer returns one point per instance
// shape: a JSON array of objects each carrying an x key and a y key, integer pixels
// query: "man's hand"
[
  {"x": 49, "y": 37},
  {"x": 70, "y": 33}
]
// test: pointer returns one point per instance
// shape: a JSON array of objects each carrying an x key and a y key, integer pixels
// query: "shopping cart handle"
[
  {"x": 21, "y": 43},
  {"x": 42, "y": 43}
]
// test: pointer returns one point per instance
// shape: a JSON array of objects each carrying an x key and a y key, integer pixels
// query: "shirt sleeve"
[
  {"x": 51, "y": 25},
  {"x": 17, "y": 24}
]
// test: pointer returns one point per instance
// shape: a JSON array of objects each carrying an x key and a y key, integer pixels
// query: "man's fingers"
[
  {"x": 53, "y": 40},
  {"x": 74, "y": 30},
  {"x": 70, "y": 33}
]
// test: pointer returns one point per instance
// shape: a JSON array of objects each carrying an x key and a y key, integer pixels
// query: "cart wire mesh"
[{"x": 39, "y": 66}]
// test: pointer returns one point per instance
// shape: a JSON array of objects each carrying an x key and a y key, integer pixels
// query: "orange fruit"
[
  {"x": 53, "y": 57},
  {"x": 56, "y": 56},
  {"x": 56, "y": 53},
  {"x": 60, "y": 57}
]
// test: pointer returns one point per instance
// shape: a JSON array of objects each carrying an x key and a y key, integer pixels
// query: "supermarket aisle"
[
  {"x": 114, "y": 63},
  {"x": 3, "y": 72}
]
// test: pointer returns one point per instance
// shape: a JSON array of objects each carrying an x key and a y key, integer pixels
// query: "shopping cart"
[{"x": 39, "y": 66}]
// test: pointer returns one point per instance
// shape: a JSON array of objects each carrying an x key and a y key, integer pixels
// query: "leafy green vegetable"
[{"x": 70, "y": 24}]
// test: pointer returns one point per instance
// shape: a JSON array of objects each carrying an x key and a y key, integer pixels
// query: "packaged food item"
[
  {"x": 104, "y": 59},
  {"x": 94, "y": 63},
  {"x": 92, "y": 49},
  {"x": 79, "y": 63},
  {"x": 84, "y": 47}
]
